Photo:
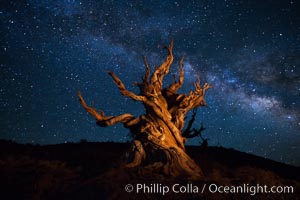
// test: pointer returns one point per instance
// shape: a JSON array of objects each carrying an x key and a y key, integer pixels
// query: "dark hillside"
[{"x": 91, "y": 171}]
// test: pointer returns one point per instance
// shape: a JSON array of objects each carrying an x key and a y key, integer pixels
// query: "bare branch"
[
  {"x": 196, "y": 133},
  {"x": 181, "y": 71},
  {"x": 103, "y": 120},
  {"x": 188, "y": 129},
  {"x": 123, "y": 89},
  {"x": 176, "y": 85},
  {"x": 191, "y": 133},
  {"x": 162, "y": 70},
  {"x": 187, "y": 102},
  {"x": 147, "y": 74},
  {"x": 145, "y": 88},
  {"x": 196, "y": 98}
]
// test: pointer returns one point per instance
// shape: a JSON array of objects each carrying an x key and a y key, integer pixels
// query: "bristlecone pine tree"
[{"x": 158, "y": 143}]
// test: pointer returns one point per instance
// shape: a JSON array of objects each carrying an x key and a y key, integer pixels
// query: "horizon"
[{"x": 83, "y": 141}]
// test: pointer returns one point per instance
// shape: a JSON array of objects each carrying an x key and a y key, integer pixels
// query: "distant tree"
[{"x": 158, "y": 142}]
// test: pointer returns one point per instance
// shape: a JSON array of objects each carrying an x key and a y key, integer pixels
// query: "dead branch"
[{"x": 103, "y": 120}]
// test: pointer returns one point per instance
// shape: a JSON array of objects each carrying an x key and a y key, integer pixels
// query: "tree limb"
[
  {"x": 162, "y": 70},
  {"x": 195, "y": 98},
  {"x": 188, "y": 129},
  {"x": 187, "y": 102},
  {"x": 145, "y": 88},
  {"x": 157, "y": 107},
  {"x": 176, "y": 85},
  {"x": 103, "y": 120},
  {"x": 123, "y": 89},
  {"x": 147, "y": 74}
]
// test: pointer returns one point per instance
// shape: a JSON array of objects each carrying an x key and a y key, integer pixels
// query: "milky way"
[{"x": 249, "y": 51}]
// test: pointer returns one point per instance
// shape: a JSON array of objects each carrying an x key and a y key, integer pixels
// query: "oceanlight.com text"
[{"x": 158, "y": 188}]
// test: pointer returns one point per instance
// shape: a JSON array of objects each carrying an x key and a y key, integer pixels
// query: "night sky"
[{"x": 249, "y": 51}]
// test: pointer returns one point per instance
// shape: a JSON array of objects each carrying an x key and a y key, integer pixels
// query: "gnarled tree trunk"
[{"x": 158, "y": 143}]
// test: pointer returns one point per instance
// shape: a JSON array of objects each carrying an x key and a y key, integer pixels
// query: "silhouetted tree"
[{"x": 158, "y": 144}]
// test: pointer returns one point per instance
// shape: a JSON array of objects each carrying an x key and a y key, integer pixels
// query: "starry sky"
[{"x": 249, "y": 51}]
